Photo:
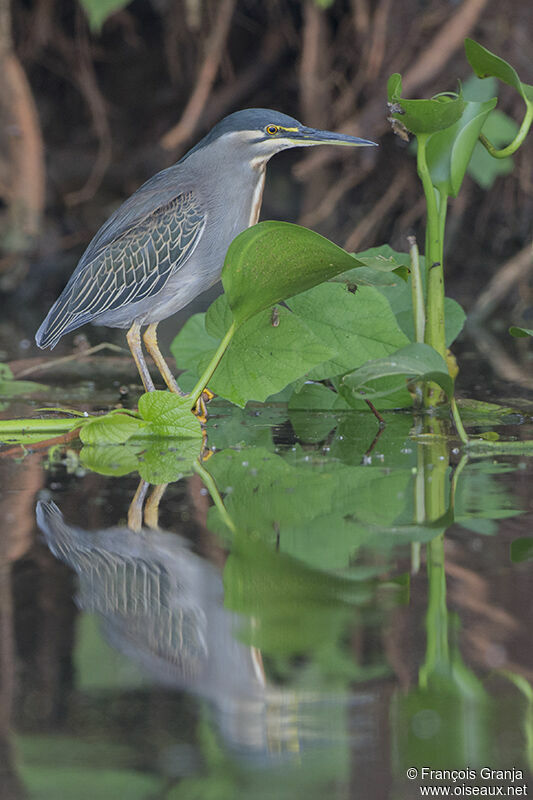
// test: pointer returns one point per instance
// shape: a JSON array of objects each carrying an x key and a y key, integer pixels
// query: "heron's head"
[{"x": 261, "y": 133}]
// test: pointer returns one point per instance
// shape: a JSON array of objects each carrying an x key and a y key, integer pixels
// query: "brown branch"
[
  {"x": 273, "y": 47},
  {"x": 216, "y": 42},
  {"x": 372, "y": 118},
  {"x": 503, "y": 282},
  {"x": 22, "y": 176},
  {"x": 382, "y": 207},
  {"x": 89, "y": 86}
]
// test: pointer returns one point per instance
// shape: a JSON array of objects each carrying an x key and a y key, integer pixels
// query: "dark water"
[{"x": 359, "y": 605}]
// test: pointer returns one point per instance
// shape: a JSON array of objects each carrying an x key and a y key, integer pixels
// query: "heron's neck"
[{"x": 257, "y": 197}]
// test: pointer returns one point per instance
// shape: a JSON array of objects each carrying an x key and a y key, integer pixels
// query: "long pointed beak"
[{"x": 307, "y": 137}]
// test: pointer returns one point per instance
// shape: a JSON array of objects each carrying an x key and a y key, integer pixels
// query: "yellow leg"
[
  {"x": 134, "y": 341},
  {"x": 150, "y": 340},
  {"x": 151, "y": 509},
  {"x": 135, "y": 511}
]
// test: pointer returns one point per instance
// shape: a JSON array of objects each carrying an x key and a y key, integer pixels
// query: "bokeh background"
[{"x": 92, "y": 103}]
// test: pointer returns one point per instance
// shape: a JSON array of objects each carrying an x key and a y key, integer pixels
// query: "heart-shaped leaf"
[
  {"x": 169, "y": 415},
  {"x": 272, "y": 261},
  {"x": 111, "y": 429}
]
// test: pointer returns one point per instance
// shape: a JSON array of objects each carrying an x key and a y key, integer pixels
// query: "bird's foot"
[{"x": 200, "y": 409}]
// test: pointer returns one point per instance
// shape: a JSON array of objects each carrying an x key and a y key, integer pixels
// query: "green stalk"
[
  {"x": 215, "y": 494},
  {"x": 213, "y": 364},
  {"x": 437, "y": 649},
  {"x": 434, "y": 330},
  {"x": 463, "y": 436},
  {"x": 518, "y": 139},
  {"x": 417, "y": 291},
  {"x": 32, "y": 426}
]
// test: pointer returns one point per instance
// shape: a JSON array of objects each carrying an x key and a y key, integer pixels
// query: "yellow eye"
[{"x": 272, "y": 129}]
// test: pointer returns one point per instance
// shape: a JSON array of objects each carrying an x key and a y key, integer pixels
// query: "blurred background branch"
[{"x": 128, "y": 96}]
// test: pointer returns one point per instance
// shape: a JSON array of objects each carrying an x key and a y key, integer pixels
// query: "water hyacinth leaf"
[
  {"x": 520, "y": 333},
  {"x": 357, "y": 327},
  {"x": 449, "y": 151},
  {"x": 485, "y": 64},
  {"x": 366, "y": 276},
  {"x": 111, "y": 429},
  {"x": 263, "y": 357},
  {"x": 416, "y": 361},
  {"x": 384, "y": 258},
  {"x": 388, "y": 393},
  {"x": 423, "y": 116},
  {"x": 400, "y": 300},
  {"x": 272, "y": 261},
  {"x": 193, "y": 343},
  {"x": 169, "y": 415},
  {"x": 483, "y": 168}
]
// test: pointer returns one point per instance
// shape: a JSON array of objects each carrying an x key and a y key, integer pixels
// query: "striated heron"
[{"x": 166, "y": 244}]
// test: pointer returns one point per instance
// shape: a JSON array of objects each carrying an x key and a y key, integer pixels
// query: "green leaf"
[
  {"x": 306, "y": 411},
  {"x": 400, "y": 299},
  {"x": 485, "y": 64},
  {"x": 262, "y": 358},
  {"x": 483, "y": 168},
  {"x": 272, "y": 261},
  {"x": 169, "y": 415},
  {"x": 99, "y": 10},
  {"x": 416, "y": 361},
  {"x": 111, "y": 429},
  {"x": 192, "y": 343},
  {"x": 158, "y": 462},
  {"x": 161, "y": 463},
  {"x": 423, "y": 116},
  {"x": 520, "y": 333},
  {"x": 522, "y": 550},
  {"x": 449, "y": 151},
  {"x": 384, "y": 258},
  {"x": 111, "y": 459},
  {"x": 366, "y": 276},
  {"x": 357, "y": 327}
]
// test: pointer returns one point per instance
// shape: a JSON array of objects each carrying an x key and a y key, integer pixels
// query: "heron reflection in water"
[{"x": 161, "y": 605}]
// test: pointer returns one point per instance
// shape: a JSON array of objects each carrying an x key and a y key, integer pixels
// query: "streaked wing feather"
[{"x": 132, "y": 267}]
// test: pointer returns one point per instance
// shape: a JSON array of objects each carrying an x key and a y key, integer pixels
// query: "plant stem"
[
  {"x": 417, "y": 290},
  {"x": 213, "y": 364},
  {"x": 518, "y": 139},
  {"x": 215, "y": 495},
  {"x": 463, "y": 436},
  {"x": 434, "y": 331},
  {"x": 22, "y": 426}
]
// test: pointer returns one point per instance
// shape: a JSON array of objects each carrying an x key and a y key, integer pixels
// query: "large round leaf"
[{"x": 272, "y": 261}]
